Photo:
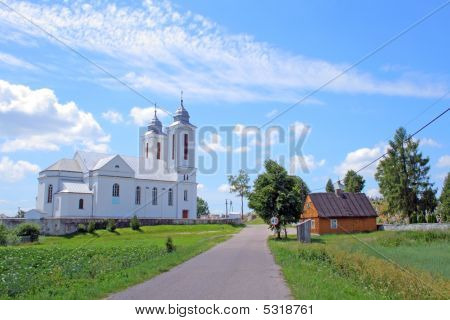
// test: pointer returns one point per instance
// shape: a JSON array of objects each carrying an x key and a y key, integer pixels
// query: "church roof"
[
  {"x": 74, "y": 187},
  {"x": 65, "y": 165}
]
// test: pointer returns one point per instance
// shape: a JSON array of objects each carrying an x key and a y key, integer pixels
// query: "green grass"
[
  {"x": 257, "y": 220},
  {"x": 343, "y": 267},
  {"x": 91, "y": 266}
]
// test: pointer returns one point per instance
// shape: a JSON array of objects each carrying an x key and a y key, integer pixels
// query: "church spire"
[
  {"x": 155, "y": 125},
  {"x": 181, "y": 114}
]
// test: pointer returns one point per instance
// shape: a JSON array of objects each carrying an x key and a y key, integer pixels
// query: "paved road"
[{"x": 239, "y": 268}]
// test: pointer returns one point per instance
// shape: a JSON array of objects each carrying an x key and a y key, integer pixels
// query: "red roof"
[{"x": 346, "y": 204}]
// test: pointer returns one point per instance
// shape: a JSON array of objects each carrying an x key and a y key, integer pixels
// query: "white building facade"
[{"x": 159, "y": 183}]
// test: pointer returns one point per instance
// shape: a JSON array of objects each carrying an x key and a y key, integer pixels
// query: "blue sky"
[{"x": 239, "y": 63}]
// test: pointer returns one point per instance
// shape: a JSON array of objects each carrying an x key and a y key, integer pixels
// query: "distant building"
[
  {"x": 159, "y": 183},
  {"x": 339, "y": 212}
]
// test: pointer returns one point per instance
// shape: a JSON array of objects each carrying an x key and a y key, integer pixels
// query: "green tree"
[
  {"x": 403, "y": 174},
  {"x": 428, "y": 201},
  {"x": 202, "y": 207},
  {"x": 329, "y": 187},
  {"x": 240, "y": 185},
  {"x": 353, "y": 182},
  {"x": 20, "y": 213},
  {"x": 277, "y": 194},
  {"x": 443, "y": 210}
]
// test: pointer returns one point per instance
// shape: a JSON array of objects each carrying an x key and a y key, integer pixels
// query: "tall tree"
[
  {"x": 329, "y": 187},
  {"x": 240, "y": 185},
  {"x": 353, "y": 182},
  {"x": 443, "y": 209},
  {"x": 403, "y": 174},
  {"x": 277, "y": 194},
  {"x": 202, "y": 207}
]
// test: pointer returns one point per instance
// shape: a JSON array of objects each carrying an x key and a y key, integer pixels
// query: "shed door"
[{"x": 185, "y": 214}]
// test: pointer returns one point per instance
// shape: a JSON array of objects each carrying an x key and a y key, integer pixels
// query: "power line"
[{"x": 78, "y": 53}]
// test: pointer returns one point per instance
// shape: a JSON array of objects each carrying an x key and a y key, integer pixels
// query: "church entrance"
[{"x": 185, "y": 214}]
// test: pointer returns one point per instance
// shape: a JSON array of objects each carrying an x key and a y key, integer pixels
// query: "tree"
[
  {"x": 277, "y": 194},
  {"x": 202, "y": 207},
  {"x": 240, "y": 184},
  {"x": 353, "y": 182},
  {"x": 20, "y": 213},
  {"x": 403, "y": 175},
  {"x": 428, "y": 201},
  {"x": 329, "y": 187},
  {"x": 443, "y": 210}
]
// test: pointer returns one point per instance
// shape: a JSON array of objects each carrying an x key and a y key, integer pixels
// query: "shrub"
[
  {"x": 3, "y": 235},
  {"x": 91, "y": 227},
  {"x": 134, "y": 223},
  {"x": 431, "y": 218},
  {"x": 420, "y": 218},
  {"x": 413, "y": 218},
  {"x": 170, "y": 247},
  {"x": 111, "y": 225},
  {"x": 81, "y": 227},
  {"x": 27, "y": 229}
]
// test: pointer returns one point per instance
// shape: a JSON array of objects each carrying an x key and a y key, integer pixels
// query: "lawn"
[
  {"x": 91, "y": 266},
  {"x": 379, "y": 265}
]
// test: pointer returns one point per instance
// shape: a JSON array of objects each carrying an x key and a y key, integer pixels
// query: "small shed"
[{"x": 339, "y": 212}]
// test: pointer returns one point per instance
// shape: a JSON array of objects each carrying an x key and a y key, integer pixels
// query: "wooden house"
[{"x": 339, "y": 212}]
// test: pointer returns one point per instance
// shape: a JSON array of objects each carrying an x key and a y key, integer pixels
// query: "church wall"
[{"x": 67, "y": 205}]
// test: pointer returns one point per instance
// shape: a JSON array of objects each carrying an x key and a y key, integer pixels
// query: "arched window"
[
  {"x": 155, "y": 196},
  {"x": 185, "y": 195},
  {"x": 80, "y": 204},
  {"x": 146, "y": 150},
  {"x": 186, "y": 146},
  {"x": 116, "y": 190},
  {"x": 138, "y": 195},
  {"x": 170, "y": 197},
  {"x": 50, "y": 194},
  {"x": 158, "y": 150}
]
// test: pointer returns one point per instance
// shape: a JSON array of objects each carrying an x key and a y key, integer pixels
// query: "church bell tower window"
[{"x": 186, "y": 146}]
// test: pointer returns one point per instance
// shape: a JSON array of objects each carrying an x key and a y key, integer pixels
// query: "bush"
[
  {"x": 27, "y": 229},
  {"x": 134, "y": 223},
  {"x": 111, "y": 225},
  {"x": 170, "y": 247},
  {"x": 431, "y": 218},
  {"x": 91, "y": 227},
  {"x": 420, "y": 218},
  {"x": 413, "y": 218},
  {"x": 3, "y": 235},
  {"x": 81, "y": 227}
]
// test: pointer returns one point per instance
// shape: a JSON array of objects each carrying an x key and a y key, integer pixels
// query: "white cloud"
[
  {"x": 359, "y": 158},
  {"x": 142, "y": 116},
  {"x": 373, "y": 193},
  {"x": 429, "y": 142},
  {"x": 444, "y": 161},
  {"x": 36, "y": 120},
  {"x": 300, "y": 129},
  {"x": 305, "y": 163},
  {"x": 200, "y": 186},
  {"x": 213, "y": 142},
  {"x": 13, "y": 61},
  {"x": 11, "y": 171},
  {"x": 112, "y": 116},
  {"x": 241, "y": 149},
  {"x": 191, "y": 52},
  {"x": 272, "y": 113},
  {"x": 225, "y": 188}
]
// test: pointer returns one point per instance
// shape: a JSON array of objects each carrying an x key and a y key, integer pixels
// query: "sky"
[{"x": 241, "y": 65}]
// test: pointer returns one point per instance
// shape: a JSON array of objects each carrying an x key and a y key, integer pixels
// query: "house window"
[
  {"x": 50, "y": 194},
  {"x": 185, "y": 195},
  {"x": 158, "y": 150},
  {"x": 186, "y": 146},
  {"x": 313, "y": 224},
  {"x": 333, "y": 223},
  {"x": 170, "y": 202},
  {"x": 173, "y": 146},
  {"x": 146, "y": 150},
  {"x": 155, "y": 196},
  {"x": 81, "y": 204},
  {"x": 116, "y": 190},
  {"x": 138, "y": 195},
  {"x": 307, "y": 205}
]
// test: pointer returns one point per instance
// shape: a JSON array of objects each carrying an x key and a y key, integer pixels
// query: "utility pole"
[{"x": 226, "y": 208}]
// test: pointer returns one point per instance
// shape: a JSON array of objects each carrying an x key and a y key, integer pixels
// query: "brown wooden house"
[{"x": 339, "y": 212}]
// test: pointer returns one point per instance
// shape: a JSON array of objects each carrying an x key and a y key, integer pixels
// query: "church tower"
[{"x": 155, "y": 146}]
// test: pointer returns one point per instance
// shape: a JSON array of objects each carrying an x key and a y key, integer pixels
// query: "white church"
[{"x": 159, "y": 183}]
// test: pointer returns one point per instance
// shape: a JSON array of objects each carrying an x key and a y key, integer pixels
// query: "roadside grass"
[
  {"x": 92, "y": 266},
  {"x": 257, "y": 220},
  {"x": 341, "y": 267}
]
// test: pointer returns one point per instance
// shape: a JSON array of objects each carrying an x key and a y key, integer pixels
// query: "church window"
[
  {"x": 81, "y": 204},
  {"x": 50, "y": 194},
  {"x": 158, "y": 150},
  {"x": 138, "y": 195},
  {"x": 146, "y": 150},
  {"x": 173, "y": 146},
  {"x": 154, "y": 196},
  {"x": 186, "y": 146},
  {"x": 185, "y": 195},
  {"x": 170, "y": 197},
  {"x": 115, "y": 190}
]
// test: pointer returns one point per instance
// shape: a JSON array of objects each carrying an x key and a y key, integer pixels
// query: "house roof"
[
  {"x": 344, "y": 204},
  {"x": 65, "y": 165},
  {"x": 75, "y": 187}
]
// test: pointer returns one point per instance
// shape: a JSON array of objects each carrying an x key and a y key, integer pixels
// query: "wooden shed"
[{"x": 339, "y": 212}]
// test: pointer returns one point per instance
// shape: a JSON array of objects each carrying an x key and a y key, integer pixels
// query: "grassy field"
[
  {"x": 379, "y": 265},
  {"x": 257, "y": 220},
  {"x": 90, "y": 266}
]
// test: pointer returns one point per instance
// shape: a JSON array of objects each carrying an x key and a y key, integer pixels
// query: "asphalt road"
[{"x": 239, "y": 268}]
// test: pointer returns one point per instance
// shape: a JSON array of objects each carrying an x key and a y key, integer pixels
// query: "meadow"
[
  {"x": 91, "y": 266},
  {"x": 379, "y": 265}
]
